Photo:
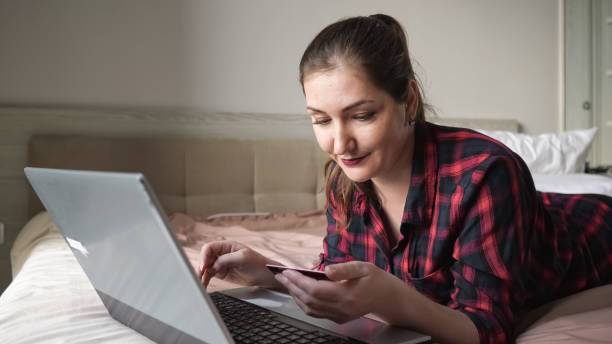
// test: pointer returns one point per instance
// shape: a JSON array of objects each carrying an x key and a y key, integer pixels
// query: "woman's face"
[{"x": 361, "y": 126}]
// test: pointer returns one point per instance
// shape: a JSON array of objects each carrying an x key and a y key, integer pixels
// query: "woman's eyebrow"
[{"x": 346, "y": 108}]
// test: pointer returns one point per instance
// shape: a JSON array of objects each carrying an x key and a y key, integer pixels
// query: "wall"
[
  {"x": 494, "y": 59},
  {"x": 476, "y": 58}
]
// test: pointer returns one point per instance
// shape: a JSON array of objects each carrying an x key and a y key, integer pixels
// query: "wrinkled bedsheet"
[
  {"x": 294, "y": 240},
  {"x": 50, "y": 299}
]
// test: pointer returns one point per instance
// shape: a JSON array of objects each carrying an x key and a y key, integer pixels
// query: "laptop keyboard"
[{"x": 249, "y": 323}]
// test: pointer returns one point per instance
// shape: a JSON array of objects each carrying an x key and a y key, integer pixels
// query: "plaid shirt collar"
[{"x": 420, "y": 200}]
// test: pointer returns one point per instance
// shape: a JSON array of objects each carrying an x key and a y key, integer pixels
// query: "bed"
[{"x": 272, "y": 200}]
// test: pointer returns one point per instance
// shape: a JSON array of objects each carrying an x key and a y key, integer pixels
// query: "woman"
[{"x": 427, "y": 225}]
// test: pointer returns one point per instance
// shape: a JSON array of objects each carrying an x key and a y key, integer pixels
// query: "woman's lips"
[{"x": 354, "y": 161}]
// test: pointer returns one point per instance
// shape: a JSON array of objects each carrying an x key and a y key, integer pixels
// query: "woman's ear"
[
  {"x": 412, "y": 103},
  {"x": 413, "y": 99}
]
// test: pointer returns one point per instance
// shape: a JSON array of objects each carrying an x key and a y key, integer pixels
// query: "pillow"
[
  {"x": 576, "y": 183},
  {"x": 552, "y": 153}
]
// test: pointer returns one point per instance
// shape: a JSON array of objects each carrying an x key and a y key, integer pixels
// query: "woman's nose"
[{"x": 342, "y": 141}]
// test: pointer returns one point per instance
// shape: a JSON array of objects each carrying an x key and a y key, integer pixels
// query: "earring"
[{"x": 410, "y": 122}]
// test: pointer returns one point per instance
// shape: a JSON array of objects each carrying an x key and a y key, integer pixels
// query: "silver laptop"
[{"x": 121, "y": 238}]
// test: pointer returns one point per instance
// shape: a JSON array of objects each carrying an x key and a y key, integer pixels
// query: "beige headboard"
[{"x": 199, "y": 177}]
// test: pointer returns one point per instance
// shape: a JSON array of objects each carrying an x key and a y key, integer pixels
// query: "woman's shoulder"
[
  {"x": 456, "y": 144},
  {"x": 465, "y": 156}
]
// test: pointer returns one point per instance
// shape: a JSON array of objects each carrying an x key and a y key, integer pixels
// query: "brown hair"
[{"x": 377, "y": 46}]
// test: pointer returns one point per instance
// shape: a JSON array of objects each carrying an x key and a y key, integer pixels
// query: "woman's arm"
[
  {"x": 404, "y": 306},
  {"x": 359, "y": 288}
]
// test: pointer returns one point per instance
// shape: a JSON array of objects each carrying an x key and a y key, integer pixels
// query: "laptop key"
[
  {"x": 284, "y": 333},
  {"x": 310, "y": 336},
  {"x": 300, "y": 333}
]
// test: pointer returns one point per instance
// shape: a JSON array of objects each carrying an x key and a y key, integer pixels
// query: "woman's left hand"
[{"x": 355, "y": 289}]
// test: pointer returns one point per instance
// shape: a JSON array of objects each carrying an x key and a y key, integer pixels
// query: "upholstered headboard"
[{"x": 199, "y": 177}]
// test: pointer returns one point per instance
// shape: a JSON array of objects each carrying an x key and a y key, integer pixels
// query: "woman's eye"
[
  {"x": 320, "y": 121},
  {"x": 365, "y": 116}
]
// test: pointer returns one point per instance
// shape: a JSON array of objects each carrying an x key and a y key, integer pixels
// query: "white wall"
[{"x": 477, "y": 58}]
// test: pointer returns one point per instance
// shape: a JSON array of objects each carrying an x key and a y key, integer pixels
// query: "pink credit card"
[{"x": 318, "y": 275}]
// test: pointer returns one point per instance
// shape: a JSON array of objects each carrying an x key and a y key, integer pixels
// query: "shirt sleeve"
[{"x": 497, "y": 201}]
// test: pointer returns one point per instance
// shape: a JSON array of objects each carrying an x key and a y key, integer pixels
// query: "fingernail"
[{"x": 280, "y": 278}]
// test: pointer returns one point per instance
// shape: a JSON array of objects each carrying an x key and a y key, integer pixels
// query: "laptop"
[{"x": 120, "y": 236}]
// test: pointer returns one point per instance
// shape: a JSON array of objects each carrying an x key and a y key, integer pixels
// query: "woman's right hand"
[{"x": 232, "y": 261}]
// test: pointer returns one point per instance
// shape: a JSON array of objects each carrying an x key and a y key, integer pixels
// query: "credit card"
[{"x": 318, "y": 275}]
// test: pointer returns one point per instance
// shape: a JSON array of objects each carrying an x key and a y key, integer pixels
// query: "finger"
[
  {"x": 347, "y": 271},
  {"x": 228, "y": 261},
  {"x": 222, "y": 273},
  {"x": 310, "y": 305},
  {"x": 202, "y": 254},
  {"x": 326, "y": 313},
  {"x": 323, "y": 290},
  {"x": 203, "y": 279},
  {"x": 210, "y": 252},
  {"x": 327, "y": 305},
  {"x": 207, "y": 257},
  {"x": 207, "y": 276},
  {"x": 308, "y": 310}
]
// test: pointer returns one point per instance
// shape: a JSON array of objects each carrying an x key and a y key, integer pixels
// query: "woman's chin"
[{"x": 357, "y": 177}]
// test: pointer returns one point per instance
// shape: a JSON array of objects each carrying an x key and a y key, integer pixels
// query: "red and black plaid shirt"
[{"x": 475, "y": 234}]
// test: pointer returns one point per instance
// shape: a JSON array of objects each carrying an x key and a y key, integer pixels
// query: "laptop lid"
[{"x": 149, "y": 286}]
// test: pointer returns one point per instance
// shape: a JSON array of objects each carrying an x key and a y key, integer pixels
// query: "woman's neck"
[
  {"x": 392, "y": 190},
  {"x": 396, "y": 182}
]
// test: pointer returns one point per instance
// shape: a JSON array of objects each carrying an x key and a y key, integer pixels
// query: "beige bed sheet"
[
  {"x": 51, "y": 300},
  {"x": 291, "y": 239}
]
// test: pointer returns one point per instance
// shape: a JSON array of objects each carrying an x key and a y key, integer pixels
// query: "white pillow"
[
  {"x": 576, "y": 183},
  {"x": 560, "y": 153}
]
